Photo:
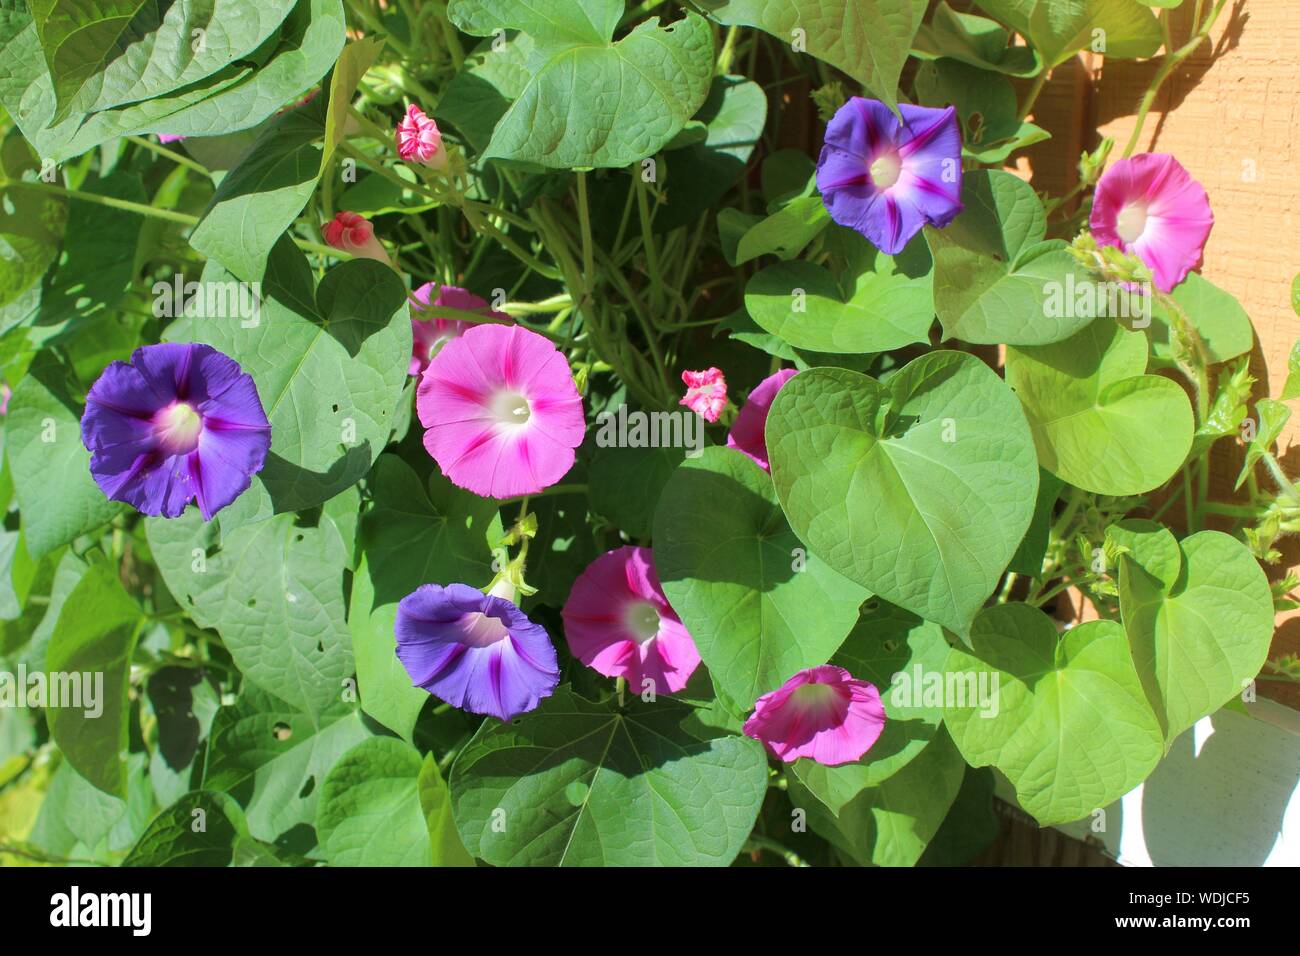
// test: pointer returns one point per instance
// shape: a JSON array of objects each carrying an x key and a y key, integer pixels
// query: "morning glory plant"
[{"x": 922, "y": 482}]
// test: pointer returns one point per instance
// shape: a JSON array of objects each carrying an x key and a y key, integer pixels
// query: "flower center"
[
  {"x": 1131, "y": 222},
  {"x": 179, "y": 426},
  {"x": 511, "y": 408},
  {"x": 824, "y": 700},
  {"x": 481, "y": 630},
  {"x": 885, "y": 169},
  {"x": 642, "y": 619}
]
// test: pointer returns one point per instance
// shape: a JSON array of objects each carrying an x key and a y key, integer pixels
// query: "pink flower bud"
[
  {"x": 419, "y": 140},
  {"x": 706, "y": 393},
  {"x": 353, "y": 233}
]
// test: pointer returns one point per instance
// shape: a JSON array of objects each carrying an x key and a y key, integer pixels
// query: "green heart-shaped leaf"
[
  {"x": 590, "y": 101},
  {"x": 1094, "y": 412},
  {"x": 1063, "y": 716},
  {"x": 920, "y": 490},
  {"x": 891, "y": 823},
  {"x": 868, "y": 41},
  {"x": 1200, "y": 638},
  {"x": 1219, "y": 319},
  {"x": 880, "y": 303},
  {"x": 757, "y": 604},
  {"x": 575, "y": 783},
  {"x": 995, "y": 280},
  {"x": 1058, "y": 29},
  {"x": 369, "y": 810},
  {"x": 974, "y": 40}
]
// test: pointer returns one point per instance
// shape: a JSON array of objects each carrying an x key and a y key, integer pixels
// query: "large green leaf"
[
  {"x": 1092, "y": 409},
  {"x": 165, "y": 46},
  {"x": 78, "y": 38},
  {"x": 757, "y": 604},
  {"x": 877, "y": 304},
  {"x": 273, "y": 759},
  {"x": 91, "y": 650},
  {"x": 306, "y": 47},
  {"x": 580, "y": 784},
  {"x": 329, "y": 368},
  {"x": 974, "y": 40},
  {"x": 920, "y": 490},
  {"x": 199, "y": 829},
  {"x": 891, "y": 823},
  {"x": 895, "y": 651},
  {"x": 590, "y": 101},
  {"x": 1070, "y": 726},
  {"x": 236, "y": 97},
  {"x": 261, "y": 197},
  {"x": 1199, "y": 628},
  {"x": 57, "y": 497},
  {"x": 626, "y": 483},
  {"x": 273, "y": 589},
  {"x": 493, "y": 76},
  {"x": 995, "y": 278},
  {"x": 1058, "y": 29},
  {"x": 369, "y": 810},
  {"x": 868, "y": 41}
]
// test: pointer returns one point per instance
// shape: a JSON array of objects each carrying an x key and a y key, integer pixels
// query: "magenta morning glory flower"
[
  {"x": 618, "y": 622},
  {"x": 1151, "y": 207},
  {"x": 180, "y": 423},
  {"x": 419, "y": 140},
  {"x": 429, "y": 331},
  {"x": 475, "y": 651},
  {"x": 706, "y": 393},
  {"x": 822, "y": 713},
  {"x": 746, "y": 433},
  {"x": 502, "y": 412},
  {"x": 887, "y": 179}
]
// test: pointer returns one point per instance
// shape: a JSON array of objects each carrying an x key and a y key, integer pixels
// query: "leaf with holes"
[{"x": 273, "y": 590}]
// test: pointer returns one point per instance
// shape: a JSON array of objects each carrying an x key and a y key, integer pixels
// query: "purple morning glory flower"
[
  {"x": 476, "y": 651},
  {"x": 888, "y": 179},
  {"x": 179, "y": 423}
]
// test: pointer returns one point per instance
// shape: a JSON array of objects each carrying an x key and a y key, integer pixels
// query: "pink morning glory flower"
[
  {"x": 6, "y": 393},
  {"x": 746, "y": 433},
  {"x": 822, "y": 713},
  {"x": 887, "y": 179},
  {"x": 180, "y": 423},
  {"x": 476, "y": 651},
  {"x": 166, "y": 138},
  {"x": 353, "y": 233},
  {"x": 618, "y": 622},
  {"x": 501, "y": 411},
  {"x": 419, "y": 140},
  {"x": 1151, "y": 207},
  {"x": 429, "y": 331},
  {"x": 706, "y": 393}
]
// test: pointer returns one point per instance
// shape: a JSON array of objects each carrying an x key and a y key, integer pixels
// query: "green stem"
[
  {"x": 112, "y": 202},
  {"x": 1032, "y": 97},
  {"x": 1168, "y": 64},
  {"x": 756, "y": 841},
  {"x": 175, "y": 157}
]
